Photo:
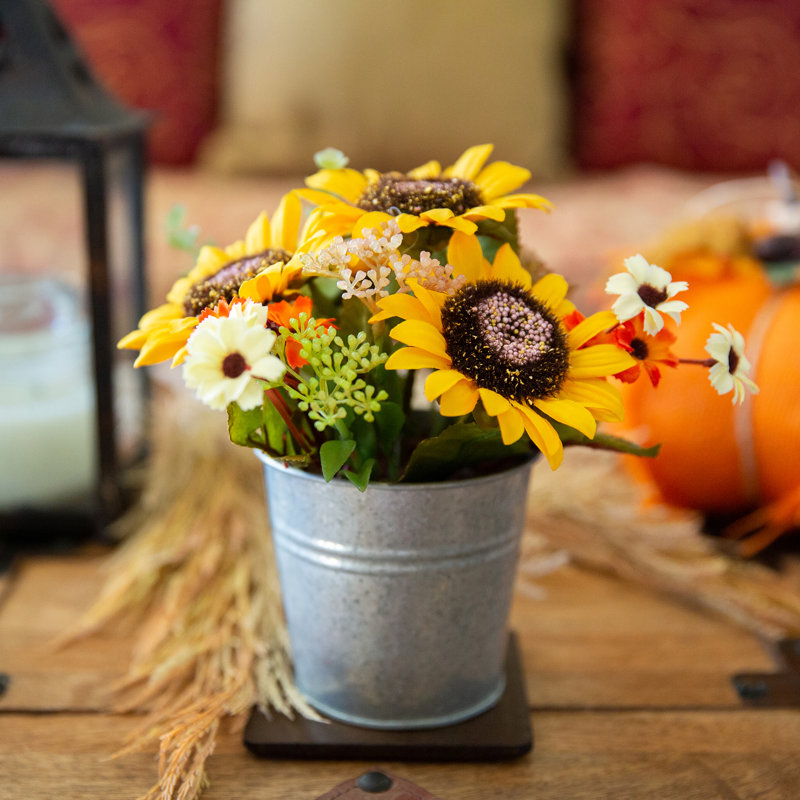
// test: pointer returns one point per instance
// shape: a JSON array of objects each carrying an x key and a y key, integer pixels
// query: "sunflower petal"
[
  {"x": 524, "y": 200},
  {"x": 133, "y": 340},
  {"x": 499, "y": 178},
  {"x": 347, "y": 183},
  {"x": 426, "y": 171},
  {"x": 461, "y": 224},
  {"x": 168, "y": 312},
  {"x": 459, "y": 400},
  {"x": 507, "y": 267},
  {"x": 370, "y": 221},
  {"x": 551, "y": 289},
  {"x": 437, "y": 215},
  {"x": 470, "y": 162},
  {"x": 432, "y": 301},
  {"x": 597, "y": 395},
  {"x": 286, "y": 221},
  {"x": 599, "y": 361},
  {"x": 493, "y": 402},
  {"x": 465, "y": 255},
  {"x": 512, "y": 425},
  {"x": 420, "y": 334},
  {"x": 569, "y": 413},
  {"x": 414, "y": 358},
  {"x": 494, "y": 212},
  {"x": 327, "y": 222},
  {"x": 160, "y": 348},
  {"x": 590, "y": 327},
  {"x": 179, "y": 357},
  {"x": 409, "y": 223},
  {"x": 402, "y": 305},
  {"x": 543, "y": 435},
  {"x": 259, "y": 234},
  {"x": 441, "y": 381}
]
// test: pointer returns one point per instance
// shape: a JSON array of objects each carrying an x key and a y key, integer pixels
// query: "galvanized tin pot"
[{"x": 397, "y": 598}]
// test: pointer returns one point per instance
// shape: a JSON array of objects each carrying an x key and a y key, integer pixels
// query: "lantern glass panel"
[{"x": 50, "y": 434}]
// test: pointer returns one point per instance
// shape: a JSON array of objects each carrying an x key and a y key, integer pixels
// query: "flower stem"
[
  {"x": 274, "y": 396},
  {"x": 700, "y": 362}
]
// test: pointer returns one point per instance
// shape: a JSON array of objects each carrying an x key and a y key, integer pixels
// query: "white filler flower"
[
  {"x": 649, "y": 289},
  {"x": 226, "y": 356},
  {"x": 729, "y": 372}
]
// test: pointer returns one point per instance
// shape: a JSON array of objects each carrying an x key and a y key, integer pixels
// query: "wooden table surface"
[{"x": 630, "y": 697}]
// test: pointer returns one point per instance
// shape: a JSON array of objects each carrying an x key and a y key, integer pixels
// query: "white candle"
[{"x": 47, "y": 404}]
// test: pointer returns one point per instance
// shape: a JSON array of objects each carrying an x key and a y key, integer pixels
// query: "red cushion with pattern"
[
  {"x": 160, "y": 55},
  {"x": 697, "y": 84}
]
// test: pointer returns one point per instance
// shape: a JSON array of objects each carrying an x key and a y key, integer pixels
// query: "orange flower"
[
  {"x": 221, "y": 309},
  {"x": 279, "y": 315},
  {"x": 649, "y": 351}
]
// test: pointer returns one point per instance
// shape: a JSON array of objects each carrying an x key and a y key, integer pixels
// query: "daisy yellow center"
[
  {"x": 506, "y": 340},
  {"x": 396, "y": 193},
  {"x": 225, "y": 283},
  {"x": 650, "y": 295}
]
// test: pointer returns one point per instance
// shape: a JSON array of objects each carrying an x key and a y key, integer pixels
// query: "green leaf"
[
  {"x": 366, "y": 438},
  {"x": 275, "y": 427},
  {"x": 333, "y": 456},
  {"x": 360, "y": 479},
  {"x": 493, "y": 235},
  {"x": 461, "y": 445},
  {"x": 603, "y": 441},
  {"x": 245, "y": 428},
  {"x": 389, "y": 422}
]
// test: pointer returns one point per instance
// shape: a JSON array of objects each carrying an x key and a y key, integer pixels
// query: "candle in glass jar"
[{"x": 47, "y": 404}]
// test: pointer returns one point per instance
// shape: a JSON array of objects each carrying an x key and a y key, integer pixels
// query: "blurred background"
[
  {"x": 623, "y": 112},
  {"x": 557, "y": 85}
]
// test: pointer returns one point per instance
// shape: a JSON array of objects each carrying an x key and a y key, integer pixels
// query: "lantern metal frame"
[{"x": 52, "y": 107}]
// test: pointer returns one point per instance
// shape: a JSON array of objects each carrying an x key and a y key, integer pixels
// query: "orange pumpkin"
[{"x": 717, "y": 457}]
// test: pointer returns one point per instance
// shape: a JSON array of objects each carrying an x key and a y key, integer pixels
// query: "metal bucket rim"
[{"x": 275, "y": 463}]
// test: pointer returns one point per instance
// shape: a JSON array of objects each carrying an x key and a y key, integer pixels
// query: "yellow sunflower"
[
  {"x": 456, "y": 197},
  {"x": 500, "y": 339},
  {"x": 256, "y": 267}
]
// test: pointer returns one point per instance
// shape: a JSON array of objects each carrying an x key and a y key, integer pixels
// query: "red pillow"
[
  {"x": 697, "y": 84},
  {"x": 160, "y": 55}
]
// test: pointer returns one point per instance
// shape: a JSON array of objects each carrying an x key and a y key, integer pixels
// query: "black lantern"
[{"x": 72, "y": 415}]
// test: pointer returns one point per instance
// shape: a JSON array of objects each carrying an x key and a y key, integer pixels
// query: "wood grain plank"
[
  {"x": 47, "y": 596},
  {"x": 593, "y": 641},
  {"x": 623, "y": 755}
]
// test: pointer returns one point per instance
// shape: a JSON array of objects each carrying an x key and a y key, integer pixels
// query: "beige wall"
[{"x": 391, "y": 83}]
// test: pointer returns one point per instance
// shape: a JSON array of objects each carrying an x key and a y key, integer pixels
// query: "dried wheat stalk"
[
  {"x": 196, "y": 576},
  {"x": 593, "y": 510}
]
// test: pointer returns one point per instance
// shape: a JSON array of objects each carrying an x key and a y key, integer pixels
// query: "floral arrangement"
[{"x": 388, "y": 326}]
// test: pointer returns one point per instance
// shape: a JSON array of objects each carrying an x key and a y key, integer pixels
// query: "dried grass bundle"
[
  {"x": 196, "y": 577},
  {"x": 592, "y": 509}
]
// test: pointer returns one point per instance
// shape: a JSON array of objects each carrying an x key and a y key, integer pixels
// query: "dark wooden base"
[{"x": 501, "y": 733}]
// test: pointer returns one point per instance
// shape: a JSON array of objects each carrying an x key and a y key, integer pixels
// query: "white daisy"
[
  {"x": 649, "y": 289},
  {"x": 729, "y": 372},
  {"x": 227, "y": 355}
]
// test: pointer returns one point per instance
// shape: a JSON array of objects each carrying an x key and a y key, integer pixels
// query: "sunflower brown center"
[
  {"x": 225, "y": 283},
  {"x": 506, "y": 340},
  {"x": 651, "y": 296},
  {"x": 233, "y": 365},
  {"x": 395, "y": 192}
]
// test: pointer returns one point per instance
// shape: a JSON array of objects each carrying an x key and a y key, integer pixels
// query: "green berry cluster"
[{"x": 332, "y": 383}]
